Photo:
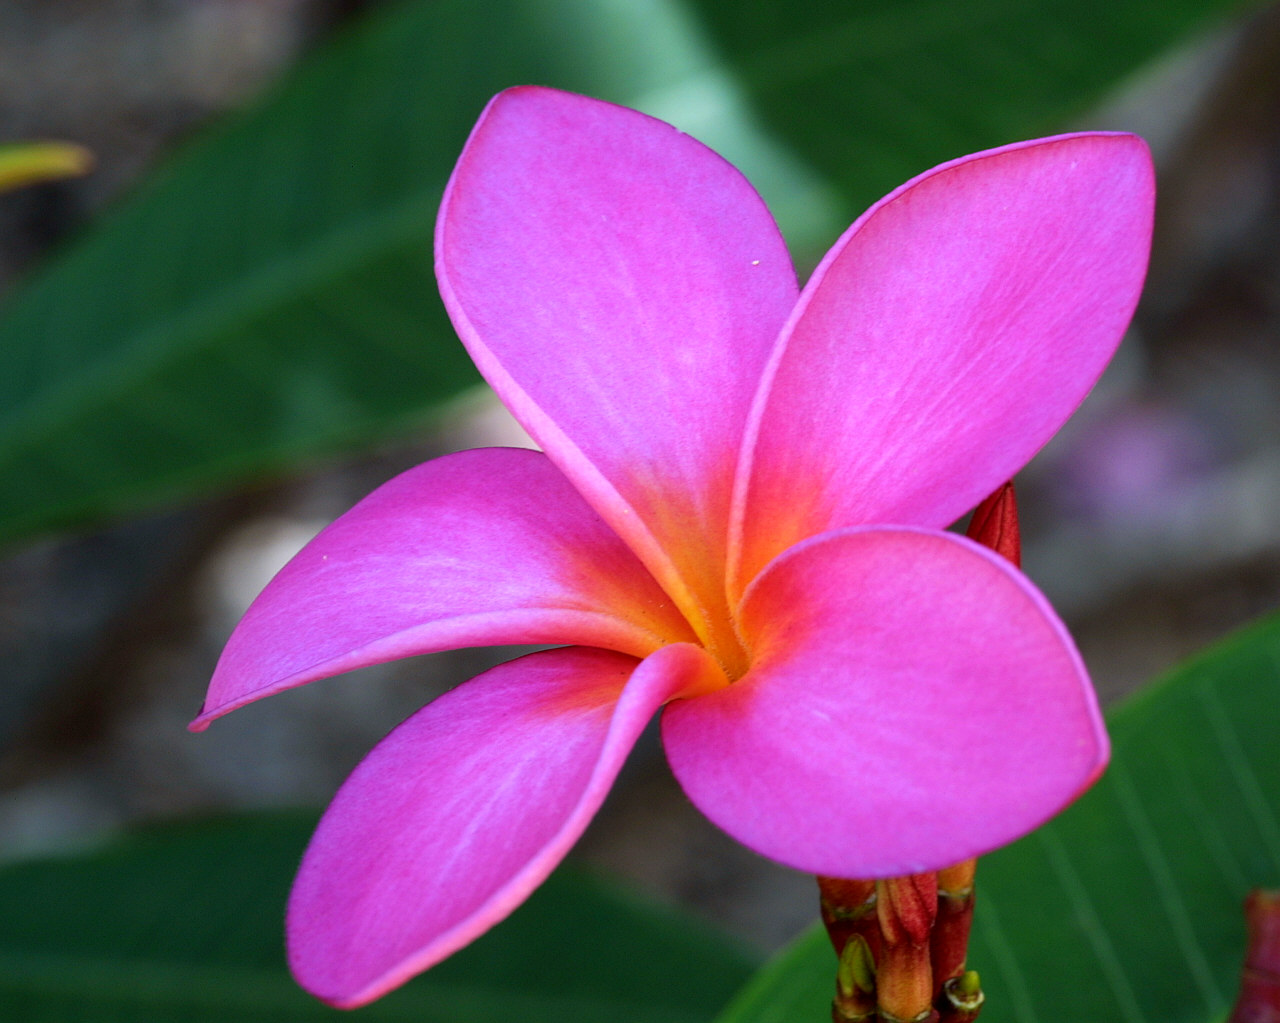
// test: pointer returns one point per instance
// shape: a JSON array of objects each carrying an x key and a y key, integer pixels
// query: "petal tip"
[{"x": 438, "y": 835}]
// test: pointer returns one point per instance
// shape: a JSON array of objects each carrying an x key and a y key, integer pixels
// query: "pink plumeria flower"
[{"x": 738, "y": 519}]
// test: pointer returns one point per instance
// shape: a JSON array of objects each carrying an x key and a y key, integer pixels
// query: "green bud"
[
  {"x": 856, "y": 973},
  {"x": 965, "y": 994}
]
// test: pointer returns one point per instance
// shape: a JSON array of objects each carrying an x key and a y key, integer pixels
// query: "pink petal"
[
  {"x": 482, "y": 547},
  {"x": 913, "y": 701},
  {"x": 945, "y": 338},
  {"x": 464, "y": 809},
  {"x": 620, "y": 286}
]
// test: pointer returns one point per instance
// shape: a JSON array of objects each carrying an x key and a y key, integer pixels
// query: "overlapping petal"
[
  {"x": 464, "y": 809},
  {"x": 944, "y": 339},
  {"x": 620, "y": 286},
  {"x": 912, "y": 701},
  {"x": 489, "y": 546}
]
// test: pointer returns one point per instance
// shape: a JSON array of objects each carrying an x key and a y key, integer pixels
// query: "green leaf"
[
  {"x": 267, "y": 296},
  {"x": 1128, "y": 906},
  {"x": 31, "y": 163},
  {"x": 185, "y": 923},
  {"x": 873, "y": 92}
]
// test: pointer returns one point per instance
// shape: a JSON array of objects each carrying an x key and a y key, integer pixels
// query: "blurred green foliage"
[
  {"x": 183, "y": 923},
  {"x": 266, "y": 298}
]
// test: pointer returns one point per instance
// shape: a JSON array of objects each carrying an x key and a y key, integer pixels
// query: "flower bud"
[
  {"x": 995, "y": 524},
  {"x": 849, "y": 908},
  {"x": 855, "y": 983},
  {"x": 962, "y": 998},
  {"x": 907, "y": 907}
]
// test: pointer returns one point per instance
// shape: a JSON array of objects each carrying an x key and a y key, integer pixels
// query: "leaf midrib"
[{"x": 269, "y": 286}]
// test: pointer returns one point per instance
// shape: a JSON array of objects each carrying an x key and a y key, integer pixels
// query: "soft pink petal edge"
[
  {"x": 603, "y": 268},
  {"x": 913, "y": 701},
  {"x": 483, "y": 547},
  {"x": 453, "y": 819},
  {"x": 944, "y": 339}
]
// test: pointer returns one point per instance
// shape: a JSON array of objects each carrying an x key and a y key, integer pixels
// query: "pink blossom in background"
[
  {"x": 738, "y": 520},
  {"x": 1132, "y": 463}
]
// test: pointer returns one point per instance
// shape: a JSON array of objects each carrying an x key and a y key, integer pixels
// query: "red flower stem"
[
  {"x": 907, "y": 908},
  {"x": 1259, "y": 1000},
  {"x": 957, "y": 994},
  {"x": 904, "y": 984},
  {"x": 849, "y": 908},
  {"x": 949, "y": 942},
  {"x": 902, "y": 942},
  {"x": 849, "y": 914}
]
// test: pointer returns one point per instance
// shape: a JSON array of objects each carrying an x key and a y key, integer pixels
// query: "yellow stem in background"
[{"x": 29, "y": 163}]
